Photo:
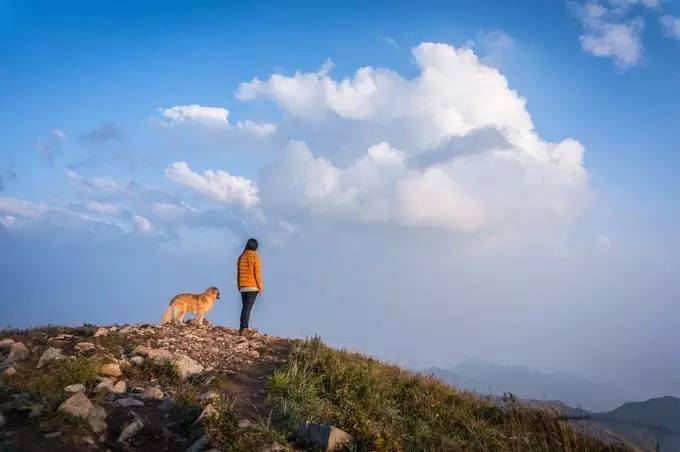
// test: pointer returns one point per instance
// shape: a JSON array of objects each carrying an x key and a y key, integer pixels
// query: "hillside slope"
[{"x": 176, "y": 388}]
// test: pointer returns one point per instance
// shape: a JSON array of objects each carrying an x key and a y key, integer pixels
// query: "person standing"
[{"x": 248, "y": 280}]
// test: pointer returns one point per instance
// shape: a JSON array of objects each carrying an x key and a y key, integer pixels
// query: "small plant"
[
  {"x": 187, "y": 406},
  {"x": 226, "y": 435},
  {"x": 48, "y": 384},
  {"x": 167, "y": 373}
]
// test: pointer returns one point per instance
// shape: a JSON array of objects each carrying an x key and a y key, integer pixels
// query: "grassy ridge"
[{"x": 388, "y": 409}]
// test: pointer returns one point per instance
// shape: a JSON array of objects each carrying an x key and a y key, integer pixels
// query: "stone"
[
  {"x": 96, "y": 419},
  {"x": 131, "y": 430},
  {"x": 141, "y": 350},
  {"x": 101, "y": 331},
  {"x": 186, "y": 365},
  {"x": 244, "y": 423},
  {"x": 128, "y": 402},
  {"x": 120, "y": 387},
  {"x": 200, "y": 444},
  {"x": 137, "y": 360},
  {"x": 167, "y": 405},
  {"x": 6, "y": 344},
  {"x": 110, "y": 370},
  {"x": 273, "y": 447},
  {"x": 84, "y": 347},
  {"x": 18, "y": 352},
  {"x": 51, "y": 354},
  {"x": 159, "y": 355},
  {"x": 72, "y": 389},
  {"x": 9, "y": 372},
  {"x": 153, "y": 393},
  {"x": 77, "y": 405},
  {"x": 208, "y": 411},
  {"x": 327, "y": 437},
  {"x": 2, "y": 421},
  {"x": 112, "y": 386}
]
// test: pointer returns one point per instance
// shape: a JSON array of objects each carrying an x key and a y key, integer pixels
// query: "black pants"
[{"x": 248, "y": 299}]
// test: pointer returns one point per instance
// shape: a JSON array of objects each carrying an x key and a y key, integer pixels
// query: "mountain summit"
[{"x": 191, "y": 388}]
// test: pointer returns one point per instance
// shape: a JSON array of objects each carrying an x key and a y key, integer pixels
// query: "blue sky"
[{"x": 106, "y": 223}]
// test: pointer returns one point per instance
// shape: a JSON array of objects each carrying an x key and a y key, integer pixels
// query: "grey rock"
[
  {"x": 72, "y": 389},
  {"x": 96, "y": 419},
  {"x": 273, "y": 447},
  {"x": 129, "y": 401},
  {"x": 327, "y": 437},
  {"x": 153, "y": 393},
  {"x": 131, "y": 430},
  {"x": 18, "y": 352},
  {"x": 244, "y": 423},
  {"x": 137, "y": 360},
  {"x": 200, "y": 444},
  {"x": 51, "y": 354}
]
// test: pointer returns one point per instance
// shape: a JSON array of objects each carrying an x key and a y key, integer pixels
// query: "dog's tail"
[{"x": 168, "y": 315}]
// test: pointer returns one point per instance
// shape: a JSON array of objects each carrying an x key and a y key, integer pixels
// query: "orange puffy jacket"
[{"x": 249, "y": 270}]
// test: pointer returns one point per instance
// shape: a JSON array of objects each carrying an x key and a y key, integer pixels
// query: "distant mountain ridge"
[
  {"x": 486, "y": 377},
  {"x": 651, "y": 425}
]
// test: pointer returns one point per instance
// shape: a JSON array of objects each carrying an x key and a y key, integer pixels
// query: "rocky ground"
[{"x": 141, "y": 387}]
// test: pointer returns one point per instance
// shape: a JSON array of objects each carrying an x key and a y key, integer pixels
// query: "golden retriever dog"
[{"x": 197, "y": 304}]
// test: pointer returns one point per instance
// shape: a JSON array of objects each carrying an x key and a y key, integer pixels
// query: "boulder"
[
  {"x": 111, "y": 370},
  {"x": 81, "y": 347},
  {"x": 6, "y": 344},
  {"x": 186, "y": 365},
  {"x": 137, "y": 360},
  {"x": 141, "y": 350},
  {"x": 101, "y": 332},
  {"x": 128, "y": 402},
  {"x": 131, "y": 430},
  {"x": 72, "y": 389},
  {"x": 200, "y": 444},
  {"x": 10, "y": 371},
  {"x": 18, "y": 352},
  {"x": 273, "y": 447},
  {"x": 326, "y": 437},
  {"x": 153, "y": 393},
  {"x": 51, "y": 354},
  {"x": 77, "y": 405},
  {"x": 112, "y": 386},
  {"x": 96, "y": 419}
]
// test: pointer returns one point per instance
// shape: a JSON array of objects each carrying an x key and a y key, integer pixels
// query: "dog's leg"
[
  {"x": 199, "y": 319},
  {"x": 181, "y": 317}
]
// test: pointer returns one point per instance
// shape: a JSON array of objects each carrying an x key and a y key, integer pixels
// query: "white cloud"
[
  {"x": 607, "y": 34},
  {"x": 518, "y": 184},
  {"x": 671, "y": 25},
  {"x": 22, "y": 208},
  {"x": 217, "y": 185},
  {"x": 257, "y": 128},
  {"x": 106, "y": 185},
  {"x": 212, "y": 116},
  {"x": 495, "y": 45}
]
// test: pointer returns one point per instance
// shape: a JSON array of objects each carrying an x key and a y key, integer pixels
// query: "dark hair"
[{"x": 251, "y": 244}]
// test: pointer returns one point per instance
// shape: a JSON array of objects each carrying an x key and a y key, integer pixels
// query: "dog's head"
[{"x": 214, "y": 292}]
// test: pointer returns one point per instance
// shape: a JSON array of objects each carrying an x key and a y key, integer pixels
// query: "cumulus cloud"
[
  {"x": 671, "y": 25},
  {"x": 216, "y": 185},
  {"x": 496, "y": 188},
  {"x": 213, "y": 116},
  {"x": 607, "y": 35},
  {"x": 216, "y": 118}
]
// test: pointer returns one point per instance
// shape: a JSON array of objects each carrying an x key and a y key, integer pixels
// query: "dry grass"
[{"x": 388, "y": 409}]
